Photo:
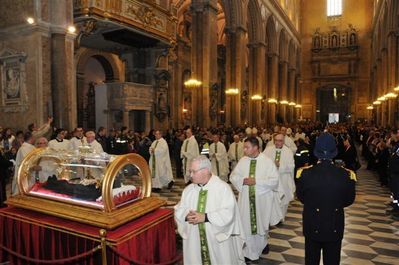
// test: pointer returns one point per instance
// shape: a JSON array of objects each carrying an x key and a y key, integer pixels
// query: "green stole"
[
  {"x": 217, "y": 162},
  {"x": 252, "y": 198},
  {"x": 278, "y": 155},
  {"x": 236, "y": 152},
  {"x": 206, "y": 260},
  {"x": 153, "y": 159}
]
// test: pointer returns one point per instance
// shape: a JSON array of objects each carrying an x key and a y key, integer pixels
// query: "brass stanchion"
[{"x": 103, "y": 234}]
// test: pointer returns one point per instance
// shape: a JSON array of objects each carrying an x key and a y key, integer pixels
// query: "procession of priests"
[{"x": 214, "y": 227}]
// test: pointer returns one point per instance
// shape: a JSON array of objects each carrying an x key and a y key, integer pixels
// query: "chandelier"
[
  {"x": 232, "y": 91},
  {"x": 256, "y": 97},
  {"x": 391, "y": 95},
  {"x": 192, "y": 83}
]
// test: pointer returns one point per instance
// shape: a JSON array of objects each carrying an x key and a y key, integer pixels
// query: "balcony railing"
[{"x": 143, "y": 15}]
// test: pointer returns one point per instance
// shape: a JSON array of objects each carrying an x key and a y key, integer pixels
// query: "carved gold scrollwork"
[{"x": 145, "y": 15}]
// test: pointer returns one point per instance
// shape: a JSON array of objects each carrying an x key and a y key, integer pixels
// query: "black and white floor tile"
[{"x": 371, "y": 235}]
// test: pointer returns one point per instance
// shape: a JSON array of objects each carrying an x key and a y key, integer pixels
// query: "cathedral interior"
[
  {"x": 113, "y": 63},
  {"x": 173, "y": 64}
]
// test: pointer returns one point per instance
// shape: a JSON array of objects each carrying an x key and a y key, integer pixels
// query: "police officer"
[
  {"x": 394, "y": 183},
  {"x": 325, "y": 190},
  {"x": 302, "y": 155}
]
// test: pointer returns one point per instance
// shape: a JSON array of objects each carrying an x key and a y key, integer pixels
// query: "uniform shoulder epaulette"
[
  {"x": 299, "y": 171},
  {"x": 352, "y": 174}
]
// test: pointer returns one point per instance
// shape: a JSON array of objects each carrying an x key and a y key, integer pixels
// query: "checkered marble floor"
[{"x": 371, "y": 236}]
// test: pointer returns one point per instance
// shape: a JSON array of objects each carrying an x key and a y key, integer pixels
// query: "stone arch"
[
  {"x": 271, "y": 35},
  {"x": 291, "y": 54},
  {"x": 385, "y": 27},
  {"x": 254, "y": 22},
  {"x": 111, "y": 63},
  {"x": 85, "y": 102},
  {"x": 283, "y": 45}
]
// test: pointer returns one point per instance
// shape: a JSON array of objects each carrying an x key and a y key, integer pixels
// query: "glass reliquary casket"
[{"x": 98, "y": 189}]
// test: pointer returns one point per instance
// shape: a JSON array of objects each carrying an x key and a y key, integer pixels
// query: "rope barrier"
[
  {"x": 135, "y": 262},
  {"x": 54, "y": 261}
]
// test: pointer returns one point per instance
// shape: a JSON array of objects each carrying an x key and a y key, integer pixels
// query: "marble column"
[
  {"x": 283, "y": 89},
  {"x": 256, "y": 81},
  {"x": 125, "y": 118},
  {"x": 235, "y": 72},
  {"x": 273, "y": 83},
  {"x": 291, "y": 93},
  {"x": 204, "y": 55},
  {"x": 379, "y": 92},
  {"x": 63, "y": 81},
  {"x": 148, "y": 124},
  {"x": 384, "y": 84}
]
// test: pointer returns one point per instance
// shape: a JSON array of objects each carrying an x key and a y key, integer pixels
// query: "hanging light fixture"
[
  {"x": 381, "y": 98},
  {"x": 396, "y": 88},
  {"x": 292, "y": 103},
  {"x": 272, "y": 100},
  {"x": 192, "y": 83},
  {"x": 30, "y": 20},
  {"x": 256, "y": 97},
  {"x": 391, "y": 95},
  {"x": 232, "y": 91},
  {"x": 377, "y": 102},
  {"x": 298, "y": 106},
  {"x": 284, "y": 102},
  {"x": 370, "y": 107}
]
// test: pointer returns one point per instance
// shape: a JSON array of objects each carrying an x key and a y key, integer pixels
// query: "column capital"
[
  {"x": 256, "y": 45},
  {"x": 200, "y": 7},
  {"x": 235, "y": 30},
  {"x": 272, "y": 54}
]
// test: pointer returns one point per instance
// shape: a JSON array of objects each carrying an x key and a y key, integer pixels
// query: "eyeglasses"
[{"x": 194, "y": 171}]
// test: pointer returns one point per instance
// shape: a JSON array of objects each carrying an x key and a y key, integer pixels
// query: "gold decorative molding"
[
  {"x": 145, "y": 15},
  {"x": 95, "y": 217},
  {"x": 142, "y": 15}
]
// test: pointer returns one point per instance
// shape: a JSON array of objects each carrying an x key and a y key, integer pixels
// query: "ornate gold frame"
[{"x": 110, "y": 216}]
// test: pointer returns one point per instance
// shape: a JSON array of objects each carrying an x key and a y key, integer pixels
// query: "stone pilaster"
[
  {"x": 235, "y": 72},
  {"x": 62, "y": 67},
  {"x": 273, "y": 83},
  {"x": 291, "y": 93},
  {"x": 204, "y": 56}
]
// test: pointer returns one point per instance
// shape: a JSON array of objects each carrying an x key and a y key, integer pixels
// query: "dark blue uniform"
[{"x": 325, "y": 190}]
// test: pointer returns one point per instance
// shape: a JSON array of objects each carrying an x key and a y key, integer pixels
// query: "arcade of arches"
[
  {"x": 168, "y": 64},
  {"x": 285, "y": 59}
]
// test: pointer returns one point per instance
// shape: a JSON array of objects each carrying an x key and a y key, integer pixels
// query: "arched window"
[{"x": 334, "y": 8}]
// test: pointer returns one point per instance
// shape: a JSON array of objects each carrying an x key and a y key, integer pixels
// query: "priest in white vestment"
[
  {"x": 208, "y": 220},
  {"x": 59, "y": 143},
  {"x": 288, "y": 140},
  {"x": 189, "y": 150},
  {"x": 256, "y": 179},
  {"x": 23, "y": 151},
  {"x": 160, "y": 166},
  {"x": 78, "y": 139},
  {"x": 236, "y": 151},
  {"x": 219, "y": 158},
  {"x": 284, "y": 160},
  {"x": 92, "y": 142}
]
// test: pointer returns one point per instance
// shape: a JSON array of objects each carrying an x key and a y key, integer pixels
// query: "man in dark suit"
[{"x": 325, "y": 190}]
